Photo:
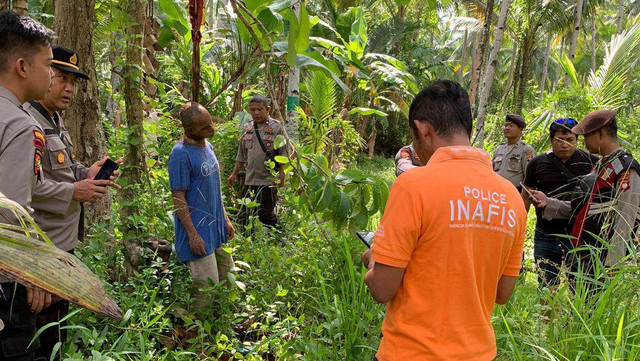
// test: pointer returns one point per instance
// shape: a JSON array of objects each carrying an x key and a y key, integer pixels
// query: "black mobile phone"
[
  {"x": 366, "y": 238},
  {"x": 106, "y": 171}
]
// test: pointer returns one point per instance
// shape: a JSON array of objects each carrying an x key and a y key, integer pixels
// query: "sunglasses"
[{"x": 569, "y": 122}]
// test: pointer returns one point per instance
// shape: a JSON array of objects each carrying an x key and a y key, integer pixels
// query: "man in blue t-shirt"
[{"x": 201, "y": 223}]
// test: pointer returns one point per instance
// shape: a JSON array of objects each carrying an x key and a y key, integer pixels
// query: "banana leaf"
[{"x": 35, "y": 263}]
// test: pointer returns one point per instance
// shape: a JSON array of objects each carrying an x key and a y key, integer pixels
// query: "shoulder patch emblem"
[
  {"x": 529, "y": 154},
  {"x": 624, "y": 182},
  {"x": 61, "y": 158},
  {"x": 38, "y": 143}
]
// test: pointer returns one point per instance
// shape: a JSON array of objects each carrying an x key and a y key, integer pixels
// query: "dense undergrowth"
[{"x": 305, "y": 299}]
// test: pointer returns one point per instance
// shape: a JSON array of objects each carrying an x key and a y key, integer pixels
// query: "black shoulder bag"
[{"x": 270, "y": 154}]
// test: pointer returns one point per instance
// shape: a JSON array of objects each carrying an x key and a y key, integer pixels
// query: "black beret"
[{"x": 515, "y": 118}]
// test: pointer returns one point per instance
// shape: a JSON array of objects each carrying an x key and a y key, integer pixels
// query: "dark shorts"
[
  {"x": 550, "y": 253},
  {"x": 19, "y": 324}
]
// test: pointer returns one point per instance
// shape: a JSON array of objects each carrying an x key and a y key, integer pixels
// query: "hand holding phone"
[
  {"x": 366, "y": 238},
  {"x": 107, "y": 170}
]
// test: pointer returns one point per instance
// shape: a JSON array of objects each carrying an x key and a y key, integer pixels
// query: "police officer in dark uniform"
[
  {"x": 406, "y": 159},
  {"x": 554, "y": 173},
  {"x": 57, "y": 201},
  {"x": 606, "y": 203},
  {"x": 25, "y": 74}
]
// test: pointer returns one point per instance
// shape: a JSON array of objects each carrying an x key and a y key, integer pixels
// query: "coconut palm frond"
[{"x": 608, "y": 84}]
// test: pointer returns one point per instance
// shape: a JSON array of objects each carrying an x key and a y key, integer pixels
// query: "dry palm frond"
[{"x": 37, "y": 264}]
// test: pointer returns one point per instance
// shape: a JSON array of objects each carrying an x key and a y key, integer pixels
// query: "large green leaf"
[
  {"x": 358, "y": 38},
  {"x": 306, "y": 61},
  {"x": 367, "y": 111}
]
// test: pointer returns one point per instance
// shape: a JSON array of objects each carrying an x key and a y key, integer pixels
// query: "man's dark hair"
[
  {"x": 445, "y": 105},
  {"x": 22, "y": 36},
  {"x": 189, "y": 114},
  {"x": 259, "y": 99},
  {"x": 611, "y": 129},
  {"x": 553, "y": 130},
  {"x": 564, "y": 128}
]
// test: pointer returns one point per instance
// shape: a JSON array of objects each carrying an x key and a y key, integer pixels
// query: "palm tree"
[
  {"x": 490, "y": 70},
  {"x": 535, "y": 15}
]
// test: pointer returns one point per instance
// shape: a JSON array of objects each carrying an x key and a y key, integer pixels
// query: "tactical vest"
[{"x": 597, "y": 191}]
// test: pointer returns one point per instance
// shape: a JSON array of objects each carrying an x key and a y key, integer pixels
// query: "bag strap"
[
  {"x": 567, "y": 173},
  {"x": 264, "y": 149}
]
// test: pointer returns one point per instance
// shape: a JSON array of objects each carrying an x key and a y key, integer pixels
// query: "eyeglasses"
[{"x": 569, "y": 122}]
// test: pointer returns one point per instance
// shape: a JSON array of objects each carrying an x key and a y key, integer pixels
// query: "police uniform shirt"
[
  {"x": 544, "y": 175},
  {"x": 55, "y": 210},
  {"x": 510, "y": 161},
  {"x": 21, "y": 145},
  {"x": 250, "y": 152},
  {"x": 406, "y": 159}
]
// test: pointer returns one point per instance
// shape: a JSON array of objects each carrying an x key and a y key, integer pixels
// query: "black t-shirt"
[{"x": 543, "y": 175}]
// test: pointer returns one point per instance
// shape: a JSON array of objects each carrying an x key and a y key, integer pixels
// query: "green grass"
[{"x": 307, "y": 300}]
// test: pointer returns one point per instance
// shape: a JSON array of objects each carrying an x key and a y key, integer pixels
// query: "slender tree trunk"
[
  {"x": 594, "y": 34},
  {"x": 545, "y": 68},
  {"x": 293, "y": 92},
  {"x": 463, "y": 57},
  {"x": 482, "y": 49},
  {"x": 474, "y": 60},
  {"x": 527, "y": 54},
  {"x": 619, "y": 17},
  {"x": 133, "y": 156},
  {"x": 577, "y": 16},
  {"x": 512, "y": 71},
  {"x": 490, "y": 71},
  {"x": 74, "y": 27}
]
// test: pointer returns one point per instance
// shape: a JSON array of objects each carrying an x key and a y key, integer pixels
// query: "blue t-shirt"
[{"x": 196, "y": 170}]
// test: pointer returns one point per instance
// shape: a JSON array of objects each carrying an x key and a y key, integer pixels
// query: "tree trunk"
[
  {"x": 619, "y": 17},
  {"x": 490, "y": 71},
  {"x": 474, "y": 60},
  {"x": 594, "y": 34},
  {"x": 293, "y": 92},
  {"x": 527, "y": 54},
  {"x": 74, "y": 27},
  {"x": 463, "y": 57},
  {"x": 577, "y": 16},
  {"x": 545, "y": 69},
  {"x": 133, "y": 154},
  {"x": 482, "y": 49},
  {"x": 20, "y": 6},
  {"x": 512, "y": 72}
]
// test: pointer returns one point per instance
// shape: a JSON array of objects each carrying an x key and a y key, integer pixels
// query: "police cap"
[{"x": 66, "y": 60}]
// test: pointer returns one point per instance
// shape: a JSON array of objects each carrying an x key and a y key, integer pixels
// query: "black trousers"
[
  {"x": 266, "y": 196},
  {"x": 19, "y": 324}
]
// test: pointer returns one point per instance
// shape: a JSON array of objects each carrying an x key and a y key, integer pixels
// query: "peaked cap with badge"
[{"x": 67, "y": 61}]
